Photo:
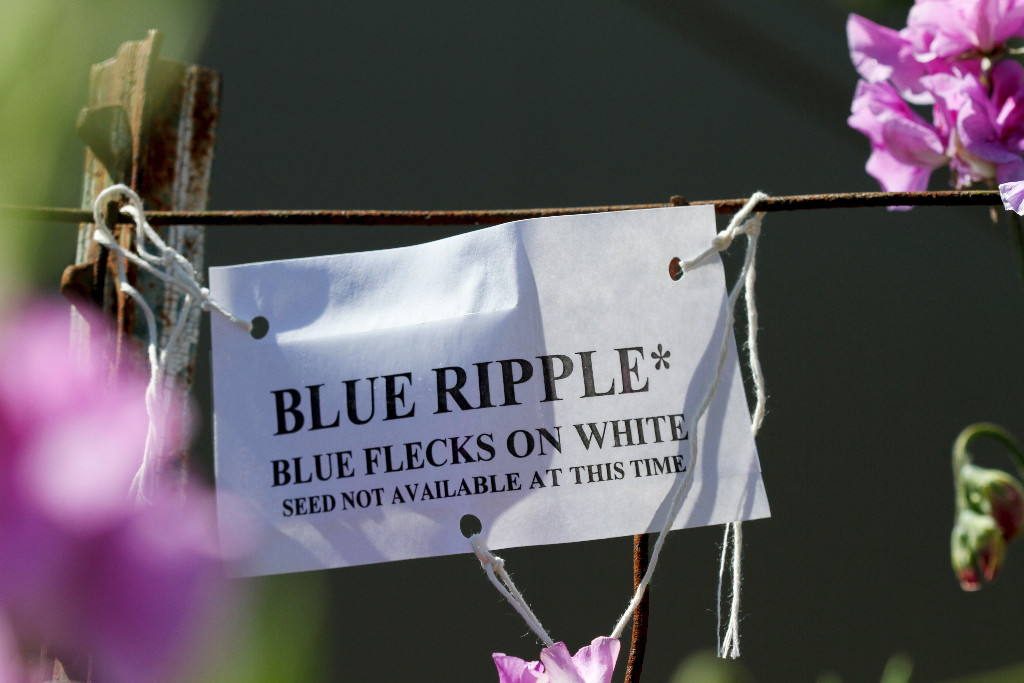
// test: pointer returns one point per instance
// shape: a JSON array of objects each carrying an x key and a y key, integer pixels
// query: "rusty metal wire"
[{"x": 493, "y": 217}]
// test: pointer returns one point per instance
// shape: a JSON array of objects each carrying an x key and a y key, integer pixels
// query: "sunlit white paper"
[{"x": 539, "y": 375}]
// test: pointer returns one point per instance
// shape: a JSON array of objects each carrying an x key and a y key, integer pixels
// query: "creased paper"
[{"x": 539, "y": 376}]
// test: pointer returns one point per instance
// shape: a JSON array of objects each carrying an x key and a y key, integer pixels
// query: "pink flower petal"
[
  {"x": 1012, "y": 194},
  {"x": 993, "y": 22},
  {"x": 894, "y": 175},
  {"x": 596, "y": 662},
  {"x": 883, "y": 54},
  {"x": 946, "y": 29},
  {"x": 559, "y": 665},
  {"x": 914, "y": 143},
  {"x": 515, "y": 670},
  {"x": 874, "y": 49},
  {"x": 872, "y": 104},
  {"x": 1010, "y": 171},
  {"x": 938, "y": 30}
]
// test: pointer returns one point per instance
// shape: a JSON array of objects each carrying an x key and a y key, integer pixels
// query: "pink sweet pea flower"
[
  {"x": 951, "y": 29},
  {"x": 84, "y": 571},
  {"x": 594, "y": 663},
  {"x": 980, "y": 129},
  {"x": 950, "y": 54},
  {"x": 987, "y": 136},
  {"x": 905, "y": 149}
]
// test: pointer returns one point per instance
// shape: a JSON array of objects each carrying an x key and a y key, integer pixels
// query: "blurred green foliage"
[
  {"x": 706, "y": 667},
  {"x": 46, "y": 50},
  {"x": 1010, "y": 674},
  {"x": 280, "y": 634}
]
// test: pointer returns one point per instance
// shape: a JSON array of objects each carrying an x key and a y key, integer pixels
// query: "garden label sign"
[{"x": 538, "y": 376}]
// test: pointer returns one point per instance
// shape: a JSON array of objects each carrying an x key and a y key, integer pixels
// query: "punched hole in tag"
[
  {"x": 470, "y": 525},
  {"x": 260, "y": 327},
  {"x": 675, "y": 268}
]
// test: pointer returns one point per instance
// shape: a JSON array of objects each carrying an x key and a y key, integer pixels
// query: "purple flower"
[
  {"x": 905, "y": 149},
  {"x": 592, "y": 664},
  {"x": 84, "y": 571}
]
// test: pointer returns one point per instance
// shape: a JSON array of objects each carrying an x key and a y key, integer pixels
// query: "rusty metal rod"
[
  {"x": 638, "y": 641},
  {"x": 840, "y": 200}
]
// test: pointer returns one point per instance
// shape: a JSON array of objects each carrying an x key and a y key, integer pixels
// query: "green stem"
[{"x": 961, "y": 457}]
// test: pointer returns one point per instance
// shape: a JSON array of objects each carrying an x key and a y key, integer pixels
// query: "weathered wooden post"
[{"x": 149, "y": 124}]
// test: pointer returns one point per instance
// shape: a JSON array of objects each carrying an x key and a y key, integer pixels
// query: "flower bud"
[
  {"x": 977, "y": 549},
  {"x": 996, "y": 494}
]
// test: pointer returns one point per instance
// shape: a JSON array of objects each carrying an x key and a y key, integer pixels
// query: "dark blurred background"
[{"x": 882, "y": 333}]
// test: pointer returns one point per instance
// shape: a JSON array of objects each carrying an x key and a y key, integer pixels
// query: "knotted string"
[
  {"x": 732, "y": 542},
  {"x": 495, "y": 568},
  {"x": 742, "y": 223},
  {"x": 169, "y": 266}
]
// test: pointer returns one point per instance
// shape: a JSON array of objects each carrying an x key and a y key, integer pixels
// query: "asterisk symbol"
[{"x": 661, "y": 357}]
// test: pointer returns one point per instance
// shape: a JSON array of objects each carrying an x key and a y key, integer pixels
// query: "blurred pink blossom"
[
  {"x": 85, "y": 571},
  {"x": 11, "y": 669},
  {"x": 594, "y": 663}
]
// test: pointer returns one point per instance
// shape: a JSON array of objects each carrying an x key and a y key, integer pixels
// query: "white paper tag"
[{"x": 538, "y": 375}]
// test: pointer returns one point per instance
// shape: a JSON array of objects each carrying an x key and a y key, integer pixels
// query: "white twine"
[
  {"x": 176, "y": 272},
  {"x": 742, "y": 223},
  {"x": 718, "y": 595},
  {"x": 729, "y": 645},
  {"x": 495, "y": 568}
]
